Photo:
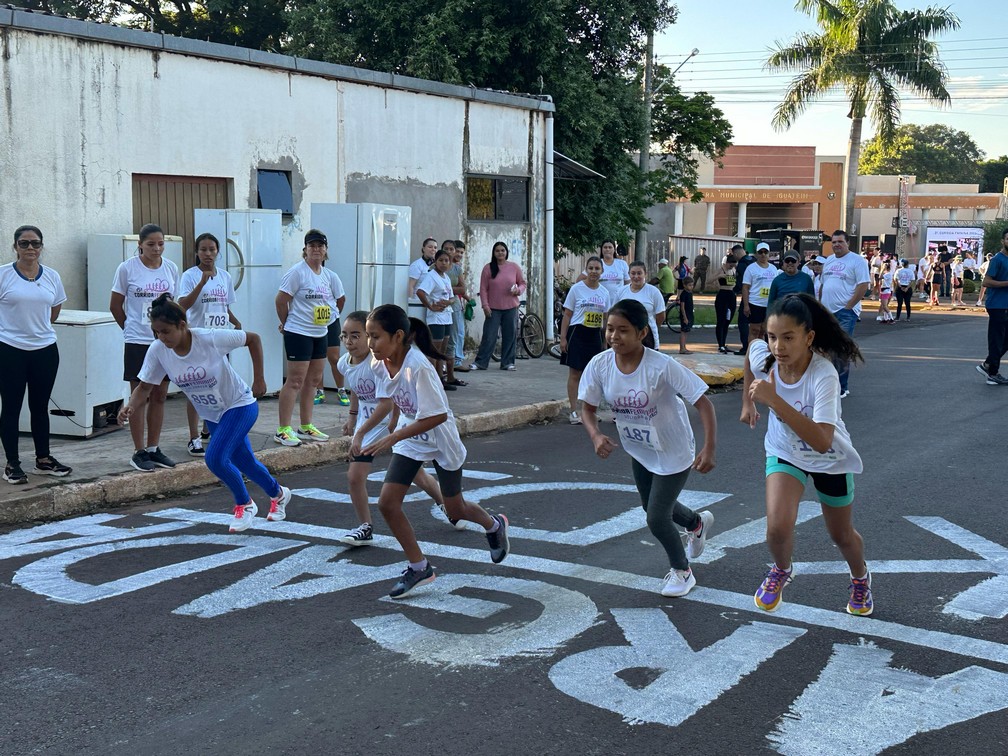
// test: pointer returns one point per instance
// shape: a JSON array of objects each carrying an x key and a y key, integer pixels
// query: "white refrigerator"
[
  {"x": 106, "y": 252},
  {"x": 252, "y": 252},
  {"x": 369, "y": 248}
]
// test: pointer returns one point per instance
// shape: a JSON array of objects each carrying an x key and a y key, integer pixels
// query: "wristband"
[{"x": 353, "y": 413}]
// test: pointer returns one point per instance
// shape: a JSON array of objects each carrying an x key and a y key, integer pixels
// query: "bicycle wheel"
[
  {"x": 495, "y": 355},
  {"x": 672, "y": 317},
  {"x": 533, "y": 335}
]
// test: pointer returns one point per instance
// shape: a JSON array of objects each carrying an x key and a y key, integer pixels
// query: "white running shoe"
[
  {"x": 244, "y": 514},
  {"x": 694, "y": 542},
  {"x": 574, "y": 419},
  {"x": 278, "y": 506},
  {"x": 678, "y": 582}
]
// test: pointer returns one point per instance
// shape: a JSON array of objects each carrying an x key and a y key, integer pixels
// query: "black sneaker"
[
  {"x": 159, "y": 459},
  {"x": 996, "y": 380},
  {"x": 51, "y": 466},
  {"x": 196, "y": 448},
  {"x": 141, "y": 461},
  {"x": 362, "y": 535},
  {"x": 740, "y": 352},
  {"x": 204, "y": 436},
  {"x": 498, "y": 540},
  {"x": 410, "y": 579},
  {"x": 983, "y": 369},
  {"x": 14, "y": 475}
]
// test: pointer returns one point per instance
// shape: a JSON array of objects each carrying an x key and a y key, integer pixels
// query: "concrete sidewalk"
[{"x": 494, "y": 400}]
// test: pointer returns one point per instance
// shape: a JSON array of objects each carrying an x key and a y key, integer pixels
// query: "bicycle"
[
  {"x": 560, "y": 288},
  {"x": 531, "y": 335},
  {"x": 672, "y": 315}
]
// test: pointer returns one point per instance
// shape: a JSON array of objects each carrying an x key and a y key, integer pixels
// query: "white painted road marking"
[
  {"x": 750, "y": 534},
  {"x": 689, "y": 680},
  {"x": 88, "y": 530},
  {"x": 860, "y": 704}
]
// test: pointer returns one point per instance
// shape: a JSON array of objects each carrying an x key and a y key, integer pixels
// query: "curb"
[{"x": 89, "y": 497}]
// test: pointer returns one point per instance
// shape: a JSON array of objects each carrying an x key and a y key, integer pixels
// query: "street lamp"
[{"x": 640, "y": 242}]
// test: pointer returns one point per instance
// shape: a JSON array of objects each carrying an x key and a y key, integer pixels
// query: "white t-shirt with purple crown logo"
[
  {"x": 140, "y": 286},
  {"x": 362, "y": 379},
  {"x": 651, "y": 418},
  {"x": 417, "y": 392},
  {"x": 210, "y": 310},
  {"x": 314, "y": 296}
]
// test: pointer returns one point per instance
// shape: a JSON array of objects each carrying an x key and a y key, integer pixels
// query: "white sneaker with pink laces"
[
  {"x": 244, "y": 514},
  {"x": 278, "y": 506}
]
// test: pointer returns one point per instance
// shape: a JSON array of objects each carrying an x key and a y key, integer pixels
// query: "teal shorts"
[{"x": 834, "y": 490}]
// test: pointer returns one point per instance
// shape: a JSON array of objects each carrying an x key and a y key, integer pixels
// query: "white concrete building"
[{"x": 106, "y": 128}]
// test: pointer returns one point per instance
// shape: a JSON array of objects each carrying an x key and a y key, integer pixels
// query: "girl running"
[
  {"x": 358, "y": 370},
  {"x": 434, "y": 291},
  {"x": 794, "y": 377},
  {"x": 643, "y": 387},
  {"x": 206, "y": 294},
  {"x": 426, "y": 432},
  {"x": 584, "y": 311},
  {"x": 885, "y": 283},
  {"x": 195, "y": 360}
]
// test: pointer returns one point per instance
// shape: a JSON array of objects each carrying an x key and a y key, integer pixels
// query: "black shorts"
[
  {"x": 301, "y": 348},
  {"x": 366, "y": 458},
  {"x": 439, "y": 331},
  {"x": 582, "y": 344},
  {"x": 133, "y": 358},
  {"x": 333, "y": 335},
  {"x": 685, "y": 327},
  {"x": 402, "y": 470},
  {"x": 757, "y": 314}
]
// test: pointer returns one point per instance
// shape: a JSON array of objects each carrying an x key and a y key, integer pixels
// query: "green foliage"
[
  {"x": 935, "y": 154},
  {"x": 993, "y": 174},
  {"x": 993, "y": 231}
]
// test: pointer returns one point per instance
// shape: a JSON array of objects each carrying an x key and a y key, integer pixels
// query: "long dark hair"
[
  {"x": 165, "y": 308},
  {"x": 830, "y": 339},
  {"x": 393, "y": 318},
  {"x": 494, "y": 267},
  {"x": 204, "y": 237},
  {"x": 634, "y": 312}
]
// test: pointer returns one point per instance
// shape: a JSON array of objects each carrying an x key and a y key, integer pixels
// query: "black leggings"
[
  {"x": 901, "y": 298},
  {"x": 725, "y": 305},
  {"x": 34, "y": 369},
  {"x": 660, "y": 498}
]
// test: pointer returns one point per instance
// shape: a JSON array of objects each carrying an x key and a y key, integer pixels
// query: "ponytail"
[
  {"x": 830, "y": 339},
  {"x": 392, "y": 318},
  {"x": 166, "y": 309}
]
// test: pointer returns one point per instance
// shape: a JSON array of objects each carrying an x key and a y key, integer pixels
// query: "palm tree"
[{"x": 871, "y": 50}]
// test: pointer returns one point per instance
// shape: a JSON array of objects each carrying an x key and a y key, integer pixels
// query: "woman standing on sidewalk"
[
  {"x": 307, "y": 302},
  {"x": 648, "y": 295},
  {"x": 501, "y": 287},
  {"x": 426, "y": 432},
  {"x": 434, "y": 291},
  {"x": 725, "y": 302},
  {"x": 195, "y": 359},
  {"x": 615, "y": 273},
  {"x": 31, "y": 297},
  {"x": 137, "y": 283},
  {"x": 794, "y": 377},
  {"x": 206, "y": 294},
  {"x": 358, "y": 369},
  {"x": 644, "y": 387},
  {"x": 581, "y": 329},
  {"x": 904, "y": 284}
]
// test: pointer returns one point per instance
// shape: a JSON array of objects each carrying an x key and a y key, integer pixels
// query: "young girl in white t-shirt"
[
  {"x": 426, "y": 432},
  {"x": 643, "y": 387},
  {"x": 358, "y": 368},
  {"x": 206, "y": 293},
  {"x": 434, "y": 291},
  {"x": 885, "y": 283},
  {"x": 794, "y": 377},
  {"x": 195, "y": 360}
]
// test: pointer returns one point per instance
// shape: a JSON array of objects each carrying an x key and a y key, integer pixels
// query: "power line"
[{"x": 734, "y": 53}]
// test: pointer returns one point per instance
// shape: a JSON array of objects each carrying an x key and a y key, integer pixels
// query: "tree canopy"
[
  {"x": 993, "y": 173},
  {"x": 935, "y": 154},
  {"x": 870, "y": 49}
]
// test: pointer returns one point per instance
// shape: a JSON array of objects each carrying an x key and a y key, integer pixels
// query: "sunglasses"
[{"x": 26, "y": 243}]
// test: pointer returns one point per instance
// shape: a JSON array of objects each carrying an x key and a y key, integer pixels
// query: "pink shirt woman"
[{"x": 501, "y": 286}]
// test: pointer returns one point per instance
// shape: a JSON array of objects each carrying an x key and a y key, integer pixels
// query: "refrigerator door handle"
[{"x": 241, "y": 263}]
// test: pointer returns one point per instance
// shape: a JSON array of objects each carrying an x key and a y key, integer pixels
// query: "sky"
[{"x": 734, "y": 38}]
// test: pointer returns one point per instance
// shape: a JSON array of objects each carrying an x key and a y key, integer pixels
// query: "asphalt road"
[{"x": 151, "y": 630}]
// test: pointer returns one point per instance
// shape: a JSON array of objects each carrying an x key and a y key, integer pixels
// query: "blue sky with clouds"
[{"x": 734, "y": 37}]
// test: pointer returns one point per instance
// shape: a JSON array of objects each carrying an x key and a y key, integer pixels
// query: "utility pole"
[{"x": 640, "y": 244}]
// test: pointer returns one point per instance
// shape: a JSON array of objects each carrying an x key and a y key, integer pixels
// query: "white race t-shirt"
[
  {"x": 614, "y": 277},
  {"x": 759, "y": 280},
  {"x": 840, "y": 277},
  {"x": 204, "y": 375},
  {"x": 588, "y": 305},
  {"x": 210, "y": 310},
  {"x": 417, "y": 270},
  {"x": 362, "y": 380},
  {"x": 651, "y": 418},
  {"x": 313, "y": 306},
  {"x": 817, "y": 396},
  {"x": 437, "y": 287},
  {"x": 649, "y": 296},
  {"x": 141, "y": 286},
  {"x": 417, "y": 392},
  {"x": 905, "y": 276},
  {"x": 26, "y": 307},
  {"x": 886, "y": 282}
]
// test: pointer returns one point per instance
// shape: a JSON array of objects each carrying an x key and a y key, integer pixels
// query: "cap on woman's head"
[
  {"x": 762, "y": 245},
  {"x": 663, "y": 261},
  {"x": 314, "y": 235}
]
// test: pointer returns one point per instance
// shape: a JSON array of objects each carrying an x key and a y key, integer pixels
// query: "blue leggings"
[{"x": 229, "y": 454}]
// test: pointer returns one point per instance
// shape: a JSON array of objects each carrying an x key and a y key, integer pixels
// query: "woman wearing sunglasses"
[{"x": 30, "y": 300}]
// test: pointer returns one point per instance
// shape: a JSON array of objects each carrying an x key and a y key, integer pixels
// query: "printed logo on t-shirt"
[
  {"x": 217, "y": 295},
  {"x": 365, "y": 390},
  {"x": 635, "y": 403},
  {"x": 319, "y": 292},
  {"x": 404, "y": 401},
  {"x": 194, "y": 377},
  {"x": 152, "y": 289}
]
